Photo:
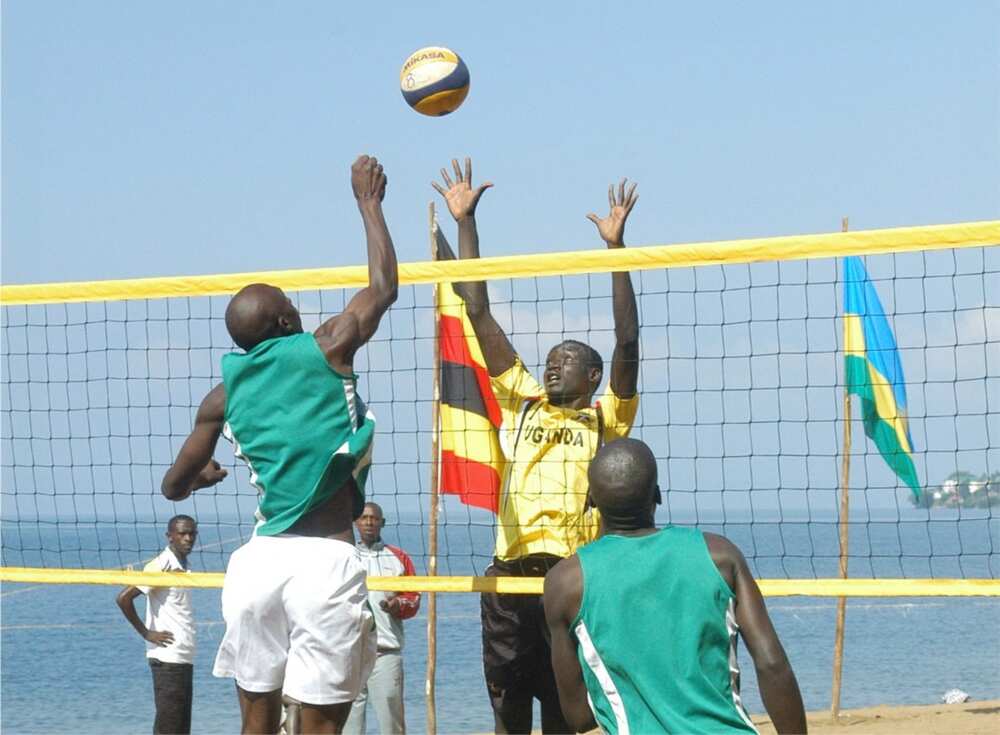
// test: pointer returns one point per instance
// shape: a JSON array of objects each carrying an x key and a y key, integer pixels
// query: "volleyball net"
[{"x": 741, "y": 381}]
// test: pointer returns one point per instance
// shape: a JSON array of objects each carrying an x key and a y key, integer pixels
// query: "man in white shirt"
[
  {"x": 168, "y": 629},
  {"x": 384, "y": 688}
]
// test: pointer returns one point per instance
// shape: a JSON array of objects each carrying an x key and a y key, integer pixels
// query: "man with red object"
[{"x": 384, "y": 689}]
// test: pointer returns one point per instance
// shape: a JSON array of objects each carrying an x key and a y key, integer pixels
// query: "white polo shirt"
[{"x": 169, "y": 609}]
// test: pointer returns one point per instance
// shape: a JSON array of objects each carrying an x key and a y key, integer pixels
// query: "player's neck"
[
  {"x": 642, "y": 526},
  {"x": 576, "y": 403}
]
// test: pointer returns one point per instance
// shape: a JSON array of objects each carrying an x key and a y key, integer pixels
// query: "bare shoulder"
[
  {"x": 726, "y": 555},
  {"x": 566, "y": 570},
  {"x": 720, "y": 546},
  {"x": 325, "y": 332},
  {"x": 563, "y": 589},
  {"x": 336, "y": 336}
]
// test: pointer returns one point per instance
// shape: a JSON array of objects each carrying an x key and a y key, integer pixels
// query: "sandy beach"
[{"x": 971, "y": 718}]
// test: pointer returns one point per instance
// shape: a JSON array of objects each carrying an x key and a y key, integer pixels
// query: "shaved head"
[
  {"x": 260, "y": 312},
  {"x": 623, "y": 480}
]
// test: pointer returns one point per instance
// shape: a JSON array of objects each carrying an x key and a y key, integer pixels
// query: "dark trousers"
[
  {"x": 172, "y": 692},
  {"x": 517, "y": 659}
]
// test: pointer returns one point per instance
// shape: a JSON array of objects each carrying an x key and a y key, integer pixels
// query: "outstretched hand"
[
  {"x": 211, "y": 474},
  {"x": 612, "y": 227},
  {"x": 460, "y": 196},
  {"x": 368, "y": 181}
]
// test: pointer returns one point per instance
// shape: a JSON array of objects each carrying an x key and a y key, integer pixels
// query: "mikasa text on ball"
[{"x": 434, "y": 81}]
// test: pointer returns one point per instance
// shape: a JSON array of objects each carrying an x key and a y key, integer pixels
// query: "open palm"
[
  {"x": 460, "y": 196},
  {"x": 612, "y": 227}
]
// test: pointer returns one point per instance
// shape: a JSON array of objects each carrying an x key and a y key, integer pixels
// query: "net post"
[
  {"x": 432, "y": 541},
  {"x": 845, "y": 472}
]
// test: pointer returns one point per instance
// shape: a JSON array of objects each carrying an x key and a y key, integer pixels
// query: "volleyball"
[{"x": 434, "y": 81}]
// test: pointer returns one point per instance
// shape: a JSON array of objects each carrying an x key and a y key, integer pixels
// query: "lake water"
[{"x": 72, "y": 664}]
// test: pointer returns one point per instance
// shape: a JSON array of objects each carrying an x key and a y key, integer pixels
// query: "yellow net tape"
[
  {"x": 796, "y": 247},
  {"x": 524, "y": 585}
]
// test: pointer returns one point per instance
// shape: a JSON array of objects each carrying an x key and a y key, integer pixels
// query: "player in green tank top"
[
  {"x": 279, "y": 403},
  {"x": 644, "y": 622}
]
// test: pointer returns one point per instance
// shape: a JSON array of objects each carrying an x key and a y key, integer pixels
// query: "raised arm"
[
  {"x": 625, "y": 361},
  {"x": 342, "y": 335},
  {"x": 779, "y": 689},
  {"x": 462, "y": 200},
  {"x": 563, "y": 590},
  {"x": 194, "y": 467}
]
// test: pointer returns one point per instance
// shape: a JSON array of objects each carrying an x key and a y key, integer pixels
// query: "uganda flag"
[
  {"x": 472, "y": 462},
  {"x": 874, "y": 373}
]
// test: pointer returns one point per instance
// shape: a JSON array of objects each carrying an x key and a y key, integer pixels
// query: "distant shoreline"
[{"x": 417, "y": 516}]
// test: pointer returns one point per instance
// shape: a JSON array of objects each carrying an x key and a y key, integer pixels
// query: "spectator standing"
[
  {"x": 168, "y": 629},
  {"x": 384, "y": 689}
]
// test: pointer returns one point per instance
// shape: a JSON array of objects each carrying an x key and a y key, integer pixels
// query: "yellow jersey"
[{"x": 548, "y": 450}]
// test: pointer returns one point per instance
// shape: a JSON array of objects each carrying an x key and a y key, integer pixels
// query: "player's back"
[
  {"x": 298, "y": 424},
  {"x": 657, "y": 635}
]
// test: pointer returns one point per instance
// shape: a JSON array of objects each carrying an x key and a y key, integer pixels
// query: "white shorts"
[{"x": 297, "y": 619}]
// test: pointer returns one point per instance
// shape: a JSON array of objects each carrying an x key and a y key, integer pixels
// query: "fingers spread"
[
  {"x": 437, "y": 188},
  {"x": 631, "y": 203},
  {"x": 468, "y": 169},
  {"x": 458, "y": 171},
  {"x": 447, "y": 179}
]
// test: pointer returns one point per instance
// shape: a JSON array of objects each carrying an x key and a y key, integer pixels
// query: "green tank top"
[
  {"x": 299, "y": 426},
  {"x": 656, "y": 636}
]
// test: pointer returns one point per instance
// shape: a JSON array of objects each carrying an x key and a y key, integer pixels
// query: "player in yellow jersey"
[{"x": 549, "y": 435}]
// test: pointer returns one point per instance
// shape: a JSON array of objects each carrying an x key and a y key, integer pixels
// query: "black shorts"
[{"x": 516, "y": 654}]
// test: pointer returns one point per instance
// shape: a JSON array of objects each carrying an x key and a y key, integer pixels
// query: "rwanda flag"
[
  {"x": 874, "y": 373},
  {"x": 472, "y": 463}
]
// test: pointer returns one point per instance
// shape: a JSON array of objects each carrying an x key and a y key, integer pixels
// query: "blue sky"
[{"x": 145, "y": 139}]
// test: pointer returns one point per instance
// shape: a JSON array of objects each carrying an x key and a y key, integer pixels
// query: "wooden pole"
[
  {"x": 845, "y": 473},
  {"x": 432, "y": 541}
]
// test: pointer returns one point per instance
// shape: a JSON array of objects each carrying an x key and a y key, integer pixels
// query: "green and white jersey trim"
[
  {"x": 299, "y": 426},
  {"x": 227, "y": 432},
  {"x": 614, "y": 698},
  {"x": 601, "y": 673},
  {"x": 351, "y": 398},
  {"x": 734, "y": 665}
]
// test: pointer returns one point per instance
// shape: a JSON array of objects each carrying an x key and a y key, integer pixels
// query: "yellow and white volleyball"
[{"x": 434, "y": 81}]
